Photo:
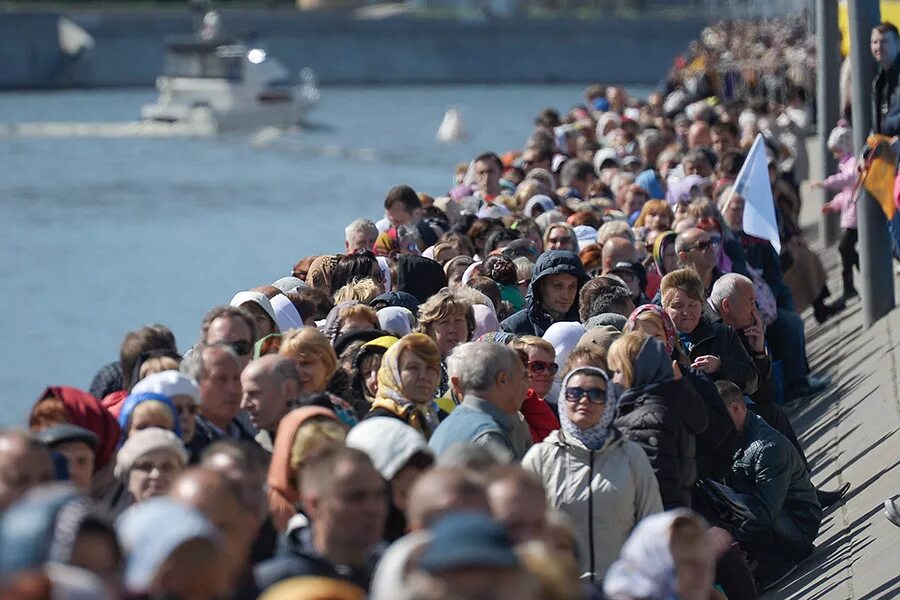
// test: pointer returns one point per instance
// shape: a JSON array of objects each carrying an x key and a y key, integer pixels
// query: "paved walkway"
[{"x": 850, "y": 434}]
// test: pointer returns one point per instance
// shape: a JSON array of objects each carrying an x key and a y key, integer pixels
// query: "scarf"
[
  {"x": 653, "y": 365},
  {"x": 422, "y": 417},
  {"x": 594, "y": 437},
  {"x": 659, "y": 247},
  {"x": 667, "y": 324}
]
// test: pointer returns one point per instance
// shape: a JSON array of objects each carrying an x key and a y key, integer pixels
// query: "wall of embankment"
[{"x": 129, "y": 46}]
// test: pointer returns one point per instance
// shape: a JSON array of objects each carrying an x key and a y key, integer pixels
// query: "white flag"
[{"x": 753, "y": 185}]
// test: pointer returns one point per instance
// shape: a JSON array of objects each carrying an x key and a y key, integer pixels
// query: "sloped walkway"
[{"x": 850, "y": 434}]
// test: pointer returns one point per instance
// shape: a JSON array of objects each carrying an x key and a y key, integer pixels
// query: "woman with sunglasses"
[
  {"x": 601, "y": 480},
  {"x": 540, "y": 365},
  {"x": 659, "y": 410}
]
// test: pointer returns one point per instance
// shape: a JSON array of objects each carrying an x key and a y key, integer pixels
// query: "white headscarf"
[{"x": 286, "y": 315}]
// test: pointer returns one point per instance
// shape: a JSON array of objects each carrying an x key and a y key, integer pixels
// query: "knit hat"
[
  {"x": 613, "y": 319},
  {"x": 143, "y": 442},
  {"x": 396, "y": 320}
]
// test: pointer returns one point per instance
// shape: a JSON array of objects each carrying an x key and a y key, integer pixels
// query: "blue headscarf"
[
  {"x": 594, "y": 437},
  {"x": 131, "y": 403}
]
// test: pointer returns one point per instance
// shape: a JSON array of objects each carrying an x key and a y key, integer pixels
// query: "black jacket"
[
  {"x": 533, "y": 319},
  {"x": 886, "y": 100},
  {"x": 719, "y": 340},
  {"x": 665, "y": 418},
  {"x": 297, "y": 557}
]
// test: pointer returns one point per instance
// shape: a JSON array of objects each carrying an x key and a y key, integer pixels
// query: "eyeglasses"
[
  {"x": 539, "y": 366},
  {"x": 240, "y": 347},
  {"x": 705, "y": 245},
  {"x": 594, "y": 395}
]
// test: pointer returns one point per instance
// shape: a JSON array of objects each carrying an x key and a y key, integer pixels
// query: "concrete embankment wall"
[{"x": 343, "y": 50}]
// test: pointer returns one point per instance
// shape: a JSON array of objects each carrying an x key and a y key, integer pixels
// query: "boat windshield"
[{"x": 205, "y": 64}]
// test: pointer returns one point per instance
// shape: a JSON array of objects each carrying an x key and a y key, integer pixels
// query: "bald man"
[
  {"x": 619, "y": 257},
  {"x": 695, "y": 248},
  {"x": 24, "y": 463},
  {"x": 699, "y": 136},
  {"x": 270, "y": 384},
  {"x": 442, "y": 490},
  {"x": 212, "y": 494}
]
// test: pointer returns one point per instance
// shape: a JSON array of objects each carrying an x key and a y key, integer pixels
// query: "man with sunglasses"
[
  {"x": 695, "y": 248},
  {"x": 231, "y": 326}
]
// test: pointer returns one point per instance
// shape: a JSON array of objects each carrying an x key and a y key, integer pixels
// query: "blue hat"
[
  {"x": 468, "y": 540},
  {"x": 404, "y": 299},
  {"x": 650, "y": 183}
]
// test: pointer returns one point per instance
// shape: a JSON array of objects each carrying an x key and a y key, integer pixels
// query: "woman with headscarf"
[
  {"x": 366, "y": 365},
  {"x": 319, "y": 274},
  {"x": 149, "y": 461},
  {"x": 563, "y": 336},
  {"x": 716, "y": 444},
  {"x": 667, "y": 556},
  {"x": 602, "y": 481},
  {"x": 407, "y": 381},
  {"x": 661, "y": 260},
  {"x": 300, "y": 433},
  {"x": 145, "y": 410},
  {"x": 259, "y": 306},
  {"x": 659, "y": 410},
  {"x": 181, "y": 390}
]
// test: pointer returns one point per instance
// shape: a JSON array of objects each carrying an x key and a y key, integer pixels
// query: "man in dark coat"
[
  {"x": 885, "y": 44},
  {"x": 552, "y": 294},
  {"x": 774, "y": 483}
]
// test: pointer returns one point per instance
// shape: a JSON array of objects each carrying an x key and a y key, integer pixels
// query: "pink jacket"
[{"x": 842, "y": 182}]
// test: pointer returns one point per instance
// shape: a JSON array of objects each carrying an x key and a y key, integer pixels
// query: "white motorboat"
[{"x": 224, "y": 84}]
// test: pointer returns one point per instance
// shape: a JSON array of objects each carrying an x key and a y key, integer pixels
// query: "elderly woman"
[
  {"x": 600, "y": 479},
  {"x": 149, "y": 461},
  {"x": 713, "y": 348},
  {"x": 301, "y": 432},
  {"x": 316, "y": 364},
  {"x": 660, "y": 411},
  {"x": 449, "y": 320},
  {"x": 407, "y": 380}
]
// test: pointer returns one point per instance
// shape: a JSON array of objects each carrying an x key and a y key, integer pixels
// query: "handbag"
[{"x": 721, "y": 505}]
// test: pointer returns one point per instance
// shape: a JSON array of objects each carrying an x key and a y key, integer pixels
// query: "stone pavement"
[{"x": 850, "y": 434}]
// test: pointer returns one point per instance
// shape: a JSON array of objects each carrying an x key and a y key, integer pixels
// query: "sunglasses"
[
  {"x": 539, "y": 366},
  {"x": 594, "y": 395},
  {"x": 705, "y": 245},
  {"x": 240, "y": 347}
]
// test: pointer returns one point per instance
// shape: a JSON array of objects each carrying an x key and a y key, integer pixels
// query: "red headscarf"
[
  {"x": 668, "y": 325},
  {"x": 87, "y": 412}
]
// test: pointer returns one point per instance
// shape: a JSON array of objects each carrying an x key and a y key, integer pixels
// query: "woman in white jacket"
[{"x": 601, "y": 480}]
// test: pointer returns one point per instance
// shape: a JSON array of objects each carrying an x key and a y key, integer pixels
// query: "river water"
[{"x": 99, "y": 236}]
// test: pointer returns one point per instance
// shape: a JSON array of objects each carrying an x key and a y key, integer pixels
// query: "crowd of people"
[{"x": 564, "y": 378}]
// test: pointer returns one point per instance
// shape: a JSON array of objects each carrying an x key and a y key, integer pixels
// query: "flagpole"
[{"x": 875, "y": 256}]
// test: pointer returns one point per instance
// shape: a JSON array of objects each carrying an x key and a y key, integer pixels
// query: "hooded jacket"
[
  {"x": 534, "y": 319},
  {"x": 283, "y": 494},
  {"x": 605, "y": 492},
  {"x": 539, "y": 416},
  {"x": 664, "y": 416}
]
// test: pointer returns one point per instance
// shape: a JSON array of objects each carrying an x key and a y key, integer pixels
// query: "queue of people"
[{"x": 564, "y": 378}]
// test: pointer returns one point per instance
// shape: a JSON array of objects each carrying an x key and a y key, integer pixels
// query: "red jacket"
[{"x": 540, "y": 418}]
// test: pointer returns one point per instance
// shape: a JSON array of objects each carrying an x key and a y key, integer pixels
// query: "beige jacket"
[{"x": 604, "y": 492}]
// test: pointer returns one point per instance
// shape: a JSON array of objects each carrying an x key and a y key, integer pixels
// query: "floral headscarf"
[
  {"x": 658, "y": 248},
  {"x": 594, "y": 437},
  {"x": 319, "y": 274},
  {"x": 667, "y": 324},
  {"x": 422, "y": 417}
]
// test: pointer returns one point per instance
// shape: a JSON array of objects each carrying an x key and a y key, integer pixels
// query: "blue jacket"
[
  {"x": 533, "y": 319},
  {"x": 477, "y": 421}
]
